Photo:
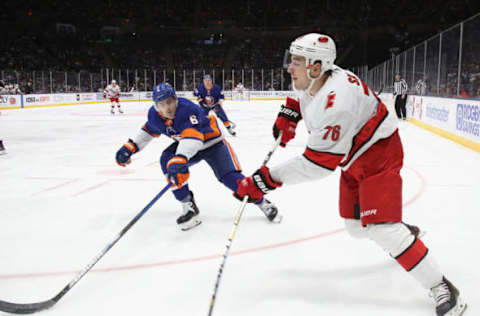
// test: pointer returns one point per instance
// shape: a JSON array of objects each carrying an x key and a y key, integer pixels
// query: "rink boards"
[
  {"x": 63, "y": 99},
  {"x": 455, "y": 119}
]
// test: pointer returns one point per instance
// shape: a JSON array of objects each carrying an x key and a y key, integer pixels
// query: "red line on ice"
[{"x": 208, "y": 257}]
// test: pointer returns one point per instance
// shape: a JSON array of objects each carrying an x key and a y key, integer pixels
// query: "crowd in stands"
[{"x": 68, "y": 46}]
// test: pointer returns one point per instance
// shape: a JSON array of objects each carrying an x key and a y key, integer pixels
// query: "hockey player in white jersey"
[
  {"x": 349, "y": 127},
  {"x": 112, "y": 91},
  {"x": 240, "y": 87}
]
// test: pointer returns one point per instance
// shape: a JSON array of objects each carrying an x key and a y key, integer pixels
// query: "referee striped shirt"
[{"x": 400, "y": 87}]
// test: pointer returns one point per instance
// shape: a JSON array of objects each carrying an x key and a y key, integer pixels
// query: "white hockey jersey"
[
  {"x": 343, "y": 119},
  {"x": 111, "y": 91},
  {"x": 239, "y": 87}
]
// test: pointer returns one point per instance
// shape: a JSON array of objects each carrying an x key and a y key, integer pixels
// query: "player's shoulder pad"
[
  {"x": 152, "y": 113},
  {"x": 187, "y": 108}
]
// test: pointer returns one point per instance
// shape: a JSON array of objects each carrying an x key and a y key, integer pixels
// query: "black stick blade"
[{"x": 15, "y": 308}]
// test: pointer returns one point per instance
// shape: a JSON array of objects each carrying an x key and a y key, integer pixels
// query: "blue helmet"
[{"x": 162, "y": 92}]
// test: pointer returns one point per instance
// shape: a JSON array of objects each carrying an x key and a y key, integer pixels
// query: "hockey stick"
[
  {"x": 234, "y": 231},
  {"x": 35, "y": 307},
  {"x": 380, "y": 91}
]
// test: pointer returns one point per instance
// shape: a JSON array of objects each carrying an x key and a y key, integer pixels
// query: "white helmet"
[
  {"x": 114, "y": 82},
  {"x": 315, "y": 47}
]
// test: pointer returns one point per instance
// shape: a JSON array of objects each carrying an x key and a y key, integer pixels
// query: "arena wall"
[{"x": 455, "y": 119}]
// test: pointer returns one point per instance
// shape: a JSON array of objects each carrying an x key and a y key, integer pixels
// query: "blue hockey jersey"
[
  {"x": 208, "y": 97},
  {"x": 194, "y": 130}
]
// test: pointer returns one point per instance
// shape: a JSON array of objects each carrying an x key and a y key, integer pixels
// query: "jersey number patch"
[
  {"x": 333, "y": 132},
  {"x": 193, "y": 119}
]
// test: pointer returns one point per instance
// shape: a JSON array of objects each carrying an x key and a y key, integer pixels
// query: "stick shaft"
[
  {"x": 35, "y": 307},
  {"x": 234, "y": 230}
]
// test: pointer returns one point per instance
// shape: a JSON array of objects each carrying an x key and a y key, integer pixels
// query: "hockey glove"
[
  {"x": 287, "y": 121},
  {"x": 177, "y": 170},
  {"x": 124, "y": 153},
  {"x": 256, "y": 186}
]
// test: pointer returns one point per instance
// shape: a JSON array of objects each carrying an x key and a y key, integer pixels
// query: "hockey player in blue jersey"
[
  {"x": 210, "y": 97},
  {"x": 196, "y": 137}
]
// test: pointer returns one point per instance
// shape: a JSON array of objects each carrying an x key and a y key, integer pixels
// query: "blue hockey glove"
[
  {"x": 177, "y": 170},
  {"x": 124, "y": 153}
]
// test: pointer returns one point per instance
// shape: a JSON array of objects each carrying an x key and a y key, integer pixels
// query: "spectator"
[{"x": 29, "y": 88}]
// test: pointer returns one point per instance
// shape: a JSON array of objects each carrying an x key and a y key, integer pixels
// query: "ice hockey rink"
[{"x": 63, "y": 199}]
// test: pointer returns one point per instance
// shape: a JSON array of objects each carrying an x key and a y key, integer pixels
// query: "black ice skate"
[
  {"x": 270, "y": 211},
  {"x": 231, "y": 129},
  {"x": 112, "y": 112},
  {"x": 2, "y": 148},
  {"x": 120, "y": 111},
  {"x": 189, "y": 218},
  {"x": 447, "y": 299}
]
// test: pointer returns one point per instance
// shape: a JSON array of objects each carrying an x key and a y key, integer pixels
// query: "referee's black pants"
[{"x": 401, "y": 106}]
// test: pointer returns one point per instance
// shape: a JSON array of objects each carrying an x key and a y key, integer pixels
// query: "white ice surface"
[{"x": 63, "y": 199}]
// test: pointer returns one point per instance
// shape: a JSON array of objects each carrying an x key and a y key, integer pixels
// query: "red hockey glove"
[
  {"x": 177, "y": 170},
  {"x": 287, "y": 121},
  {"x": 256, "y": 186},
  {"x": 104, "y": 96},
  {"x": 124, "y": 153}
]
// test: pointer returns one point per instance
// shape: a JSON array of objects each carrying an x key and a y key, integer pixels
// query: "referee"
[{"x": 400, "y": 89}]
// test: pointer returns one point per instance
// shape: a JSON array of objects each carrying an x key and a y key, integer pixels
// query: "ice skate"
[
  {"x": 2, "y": 148},
  {"x": 120, "y": 111},
  {"x": 447, "y": 299},
  {"x": 112, "y": 112},
  {"x": 270, "y": 211},
  {"x": 231, "y": 129},
  {"x": 189, "y": 218}
]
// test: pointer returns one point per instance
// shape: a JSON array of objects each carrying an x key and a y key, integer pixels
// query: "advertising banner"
[
  {"x": 38, "y": 99},
  {"x": 128, "y": 96},
  {"x": 467, "y": 119},
  {"x": 10, "y": 101},
  {"x": 88, "y": 97}
]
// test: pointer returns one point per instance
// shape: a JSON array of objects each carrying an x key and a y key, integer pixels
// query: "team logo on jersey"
[
  {"x": 330, "y": 99},
  {"x": 209, "y": 100},
  {"x": 171, "y": 131}
]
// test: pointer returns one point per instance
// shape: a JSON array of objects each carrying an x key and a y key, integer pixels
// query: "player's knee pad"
[
  {"x": 355, "y": 229},
  {"x": 394, "y": 238}
]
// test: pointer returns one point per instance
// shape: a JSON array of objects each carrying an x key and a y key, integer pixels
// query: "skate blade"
[
  {"x": 278, "y": 219},
  {"x": 190, "y": 224},
  {"x": 458, "y": 309}
]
